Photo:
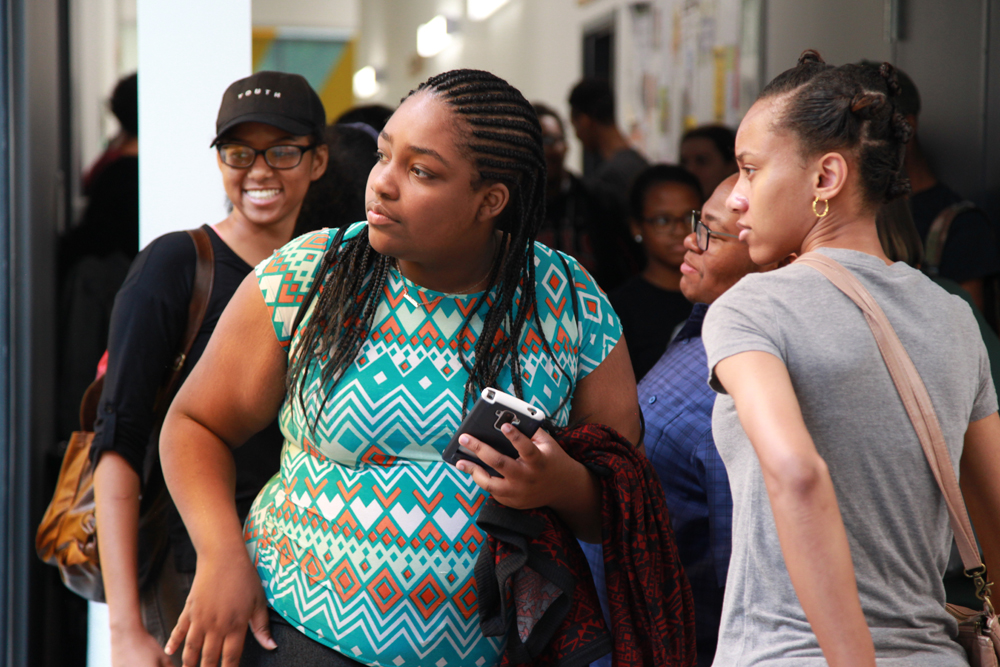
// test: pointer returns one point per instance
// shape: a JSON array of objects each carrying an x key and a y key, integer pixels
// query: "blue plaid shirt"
[{"x": 677, "y": 404}]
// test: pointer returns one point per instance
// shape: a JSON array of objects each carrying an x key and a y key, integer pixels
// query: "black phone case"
[{"x": 483, "y": 422}]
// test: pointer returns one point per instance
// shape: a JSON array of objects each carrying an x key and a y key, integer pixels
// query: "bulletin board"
[{"x": 692, "y": 62}]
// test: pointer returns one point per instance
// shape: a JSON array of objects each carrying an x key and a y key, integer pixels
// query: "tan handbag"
[
  {"x": 977, "y": 630},
  {"x": 67, "y": 534}
]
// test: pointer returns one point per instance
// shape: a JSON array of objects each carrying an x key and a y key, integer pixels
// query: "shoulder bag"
[
  {"x": 977, "y": 630},
  {"x": 67, "y": 534}
]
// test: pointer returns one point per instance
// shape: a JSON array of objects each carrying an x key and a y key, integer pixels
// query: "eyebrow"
[
  {"x": 419, "y": 150},
  {"x": 709, "y": 216},
  {"x": 743, "y": 156}
]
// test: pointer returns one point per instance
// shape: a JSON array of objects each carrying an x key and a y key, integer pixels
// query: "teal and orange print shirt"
[{"x": 366, "y": 540}]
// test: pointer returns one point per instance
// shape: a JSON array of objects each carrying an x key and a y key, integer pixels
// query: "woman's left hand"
[{"x": 544, "y": 475}]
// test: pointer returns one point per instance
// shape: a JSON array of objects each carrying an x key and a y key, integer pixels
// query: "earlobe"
[{"x": 321, "y": 161}]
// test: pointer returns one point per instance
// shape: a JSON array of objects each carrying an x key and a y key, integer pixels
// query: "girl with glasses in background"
[{"x": 650, "y": 304}]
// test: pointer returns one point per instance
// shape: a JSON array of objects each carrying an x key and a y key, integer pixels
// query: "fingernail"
[
  {"x": 271, "y": 644},
  {"x": 506, "y": 428},
  {"x": 463, "y": 440},
  {"x": 463, "y": 466}
]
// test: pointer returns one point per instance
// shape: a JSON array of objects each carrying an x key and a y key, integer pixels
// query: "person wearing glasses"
[
  {"x": 270, "y": 149},
  {"x": 650, "y": 304},
  {"x": 677, "y": 405}
]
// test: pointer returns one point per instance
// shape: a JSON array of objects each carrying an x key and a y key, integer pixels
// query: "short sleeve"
[
  {"x": 286, "y": 277},
  {"x": 741, "y": 320},
  {"x": 598, "y": 326}
]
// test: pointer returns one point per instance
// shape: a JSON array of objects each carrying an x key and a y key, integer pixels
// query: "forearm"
[
  {"x": 200, "y": 472},
  {"x": 116, "y": 497},
  {"x": 814, "y": 540},
  {"x": 579, "y": 505}
]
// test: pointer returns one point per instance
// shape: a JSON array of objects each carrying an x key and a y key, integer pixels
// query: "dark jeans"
[
  {"x": 162, "y": 602},
  {"x": 294, "y": 649}
]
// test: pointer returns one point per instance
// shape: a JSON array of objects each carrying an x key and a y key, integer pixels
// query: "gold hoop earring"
[{"x": 826, "y": 203}]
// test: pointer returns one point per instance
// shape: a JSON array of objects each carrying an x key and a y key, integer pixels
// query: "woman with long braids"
[{"x": 383, "y": 334}]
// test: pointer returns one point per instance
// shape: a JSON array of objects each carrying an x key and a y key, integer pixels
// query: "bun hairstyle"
[
  {"x": 499, "y": 132},
  {"x": 848, "y": 108}
]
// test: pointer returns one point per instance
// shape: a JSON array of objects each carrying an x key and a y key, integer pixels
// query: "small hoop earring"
[
  {"x": 826, "y": 209},
  {"x": 638, "y": 238}
]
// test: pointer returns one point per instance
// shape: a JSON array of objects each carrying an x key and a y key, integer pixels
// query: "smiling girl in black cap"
[{"x": 270, "y": 148}]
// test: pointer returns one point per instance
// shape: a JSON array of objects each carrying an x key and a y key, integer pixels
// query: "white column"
[{"x": 189, "y": 52}]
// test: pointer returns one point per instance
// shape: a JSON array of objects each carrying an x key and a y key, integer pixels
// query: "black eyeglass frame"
[
  {"x": 302, "y": 151},
  {"x": 701, "y": 238}
]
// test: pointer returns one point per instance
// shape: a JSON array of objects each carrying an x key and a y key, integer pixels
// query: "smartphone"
[{"x": 494, "y": 409}]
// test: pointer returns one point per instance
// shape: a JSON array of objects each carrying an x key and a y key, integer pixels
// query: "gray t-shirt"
[{"x": 896, "y": 519}]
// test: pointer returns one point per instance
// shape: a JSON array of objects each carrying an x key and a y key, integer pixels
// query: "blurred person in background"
[
  {"x": 971, "y": 252},
  {"x": 94, "y": 256},
  {"x": 707, "y": 152},
  {"x": 374, "y": 115},
  {"x": 337, "y": 198},
  {"x": 592, "y": 114},
  {"x": 650, "y": 304},
  {"x": 578, "y": 221},
  {"x": 269, "y": 151}
]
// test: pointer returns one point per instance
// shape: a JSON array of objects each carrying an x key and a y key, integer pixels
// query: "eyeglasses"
[
  {"x": 668, "y": 224},
  {"x": 240, "y": 156},
  {"x": 702, "y": 233}
]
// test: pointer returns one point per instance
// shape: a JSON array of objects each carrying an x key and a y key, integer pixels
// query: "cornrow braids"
[
  {"x": 848, "y": 107},
  {"x": 501, "y": 135},
  {"x": 504, "y": 139}
]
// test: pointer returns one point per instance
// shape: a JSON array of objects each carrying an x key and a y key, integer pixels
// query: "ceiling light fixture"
[
  {"x": 480, "y": 10},
  {"x": 365, "y": 83},
  {"x": 433, "y": 37}
]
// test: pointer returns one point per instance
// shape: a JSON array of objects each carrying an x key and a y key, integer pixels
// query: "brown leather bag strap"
[
  {"x": 915, "y": 399},
  {"x": 201, "y": 292}
]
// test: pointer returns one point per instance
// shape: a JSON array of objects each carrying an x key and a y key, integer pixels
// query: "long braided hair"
[{"x": 502, "y": 136}]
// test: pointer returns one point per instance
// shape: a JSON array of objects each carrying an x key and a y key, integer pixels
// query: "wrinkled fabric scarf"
[{"x": 535, "y": 587}]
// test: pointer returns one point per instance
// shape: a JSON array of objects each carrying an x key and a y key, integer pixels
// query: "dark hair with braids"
[
  {"x": 500, "y": 133},
  {"x": 850, "y": 108}
]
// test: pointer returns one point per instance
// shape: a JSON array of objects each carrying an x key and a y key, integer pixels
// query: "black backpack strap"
[{"x": 937, "y": 236}]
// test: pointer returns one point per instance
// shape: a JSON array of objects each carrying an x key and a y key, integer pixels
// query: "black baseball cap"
[{"x": 283, "y": 100}]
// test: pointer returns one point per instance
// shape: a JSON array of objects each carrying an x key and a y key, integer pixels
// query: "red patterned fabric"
[{"x": 652, "y": 611}]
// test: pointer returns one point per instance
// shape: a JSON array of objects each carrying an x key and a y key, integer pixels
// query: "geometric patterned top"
[{"x": 365, "y": 540}]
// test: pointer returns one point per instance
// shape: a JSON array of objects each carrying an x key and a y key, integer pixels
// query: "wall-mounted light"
[
  {"x": 433, "y": 37},
  {"x": 365, "y": 83},
  {"x": 480, "y": 10}
]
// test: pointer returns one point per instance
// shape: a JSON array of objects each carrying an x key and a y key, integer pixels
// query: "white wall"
[
  {"x": 535, "y": 44},
  {"x": 189, "y": 53},
  {"x": 343, "y": 14}
]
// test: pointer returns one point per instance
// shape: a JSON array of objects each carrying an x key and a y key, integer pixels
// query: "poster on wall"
[
  {"x": 324, "y": 58},
  {"x": 692, "y": 62}
]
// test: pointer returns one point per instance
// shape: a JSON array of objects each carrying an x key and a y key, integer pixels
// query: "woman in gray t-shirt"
[{"x": 840, "y": 534}]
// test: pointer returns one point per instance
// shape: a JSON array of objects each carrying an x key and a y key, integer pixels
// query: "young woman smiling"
[
  {"x": 840, "y": 533},
  {"x": 384, "y": 334},
  {"x": 269, "y": 151}
]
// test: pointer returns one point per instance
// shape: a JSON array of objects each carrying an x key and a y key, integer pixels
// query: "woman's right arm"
[
  {"x": 980, "y": 470},
  {"x": 116, "y": 496},
  {"x": 234, "y": 391}
]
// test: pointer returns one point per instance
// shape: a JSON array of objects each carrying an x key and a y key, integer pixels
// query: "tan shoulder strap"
[{"x": 915, "y": 398}]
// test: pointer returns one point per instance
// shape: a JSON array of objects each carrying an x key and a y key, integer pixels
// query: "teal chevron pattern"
[{"x": 366, "y": 540}]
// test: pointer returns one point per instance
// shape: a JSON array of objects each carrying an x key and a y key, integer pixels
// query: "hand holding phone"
[{"x": 494, "y": 409}]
